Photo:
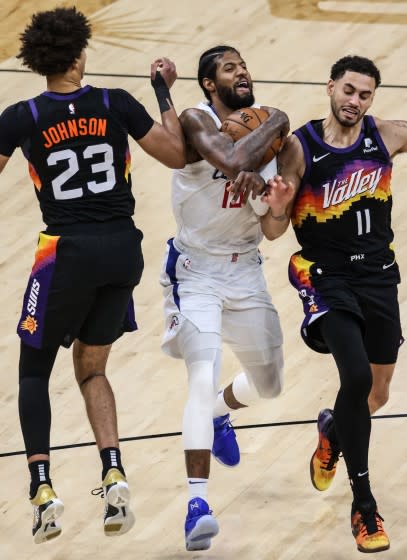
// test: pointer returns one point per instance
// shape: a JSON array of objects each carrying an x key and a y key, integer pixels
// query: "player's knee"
[
  {"x": 377, "y": 399},
  {"x": 269, "y": 380},
  {"x": 357, "y": 384}
]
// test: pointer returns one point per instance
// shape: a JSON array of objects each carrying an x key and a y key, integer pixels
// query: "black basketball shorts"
[
  {"x": 367, "y": 290},
  {"x": 81, "y": 284}
]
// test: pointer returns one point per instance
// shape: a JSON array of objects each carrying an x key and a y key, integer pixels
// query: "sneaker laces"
[
  {"x": 98, "y": 492},
  {"x": 334, "y": 453},
  {"x": 372, "y": 523}
]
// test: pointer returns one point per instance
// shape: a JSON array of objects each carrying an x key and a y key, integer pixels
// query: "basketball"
[{"x": 243, "y": 121}]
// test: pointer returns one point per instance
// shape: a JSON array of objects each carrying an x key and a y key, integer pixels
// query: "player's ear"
[
  {"x": 330, "y": 87},
  {"x": 209, "y": 85}
]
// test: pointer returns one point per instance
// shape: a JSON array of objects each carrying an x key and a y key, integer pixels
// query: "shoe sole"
[
  {"x": 118, "y": 496},
  {"x": 200, "y": 536},
  {"x": 48, "y": 516},
  {"x": 380, "y": 549},
  {"x": 225, "y": 464},
  {"x": 312, "y": 474}
]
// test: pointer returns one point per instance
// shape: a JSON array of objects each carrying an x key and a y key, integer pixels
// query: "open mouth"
[
  {"x": 350, "y": 112},
  {"x": 242, "y": 87}
]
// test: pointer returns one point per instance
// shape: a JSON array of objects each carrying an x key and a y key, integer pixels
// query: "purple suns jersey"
[
  {"x": 77, "y": 150},
  {"x": 343, "y": 206}
]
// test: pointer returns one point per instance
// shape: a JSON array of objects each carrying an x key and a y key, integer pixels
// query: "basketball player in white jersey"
[{"x": 212, "y": 277}]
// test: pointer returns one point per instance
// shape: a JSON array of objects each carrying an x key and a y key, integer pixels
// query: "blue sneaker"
[
  {"x": 200, "y": 525},
  {"x": 225, "y": 447}
]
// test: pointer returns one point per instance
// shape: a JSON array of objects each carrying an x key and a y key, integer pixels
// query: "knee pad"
[{"x": 268, "y": 378}]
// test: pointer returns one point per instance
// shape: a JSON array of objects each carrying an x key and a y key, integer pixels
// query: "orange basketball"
[{"x": 243, "y": 121}]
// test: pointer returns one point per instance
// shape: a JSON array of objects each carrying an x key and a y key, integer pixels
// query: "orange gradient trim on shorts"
[
  {"x": 46, "y": 251},
  {"x": 301, "y": 268}
]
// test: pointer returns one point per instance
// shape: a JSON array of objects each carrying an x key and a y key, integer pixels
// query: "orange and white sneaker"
[
  {"x": 368, "y": 530},
  {"x": 325, "y": 458}
]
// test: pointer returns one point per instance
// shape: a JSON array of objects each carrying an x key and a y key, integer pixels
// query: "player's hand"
[
  {"x": 247, "y": 182},
  {"x": 163, "y": 68},
  {"x": 278, "y": 195}
]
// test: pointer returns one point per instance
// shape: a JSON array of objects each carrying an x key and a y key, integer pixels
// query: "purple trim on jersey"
[
  {"x": 307, "y": 155},
  {"x": 170, "y": 269},
  {"x": 33, "y": 108},
  {"x": 69, "y": 96},
  {"x": 106, "y": 100},
  {"x": 377, "y": 136},
  {"x": 330, "y": 148}
]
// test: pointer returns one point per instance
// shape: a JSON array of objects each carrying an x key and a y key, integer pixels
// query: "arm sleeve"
[
  {"x": 15, "y": 125},
  {"x": 132, "y": 113}
]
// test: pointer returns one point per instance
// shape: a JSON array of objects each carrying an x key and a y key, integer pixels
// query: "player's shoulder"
[{"x": 17, "y": 110}]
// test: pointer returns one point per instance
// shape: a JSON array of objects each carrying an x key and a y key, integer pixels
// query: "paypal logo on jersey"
[{"x": 369, "y": 146}]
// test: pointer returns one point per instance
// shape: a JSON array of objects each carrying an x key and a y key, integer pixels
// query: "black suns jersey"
[
  {"x": 343, "y": 206},
  {"x": 77, "y": 150}
]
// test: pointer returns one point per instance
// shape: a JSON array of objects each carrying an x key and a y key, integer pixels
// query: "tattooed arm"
[
  {"x": 205, "y": 141},
  {"x": 394, "y": 135}
]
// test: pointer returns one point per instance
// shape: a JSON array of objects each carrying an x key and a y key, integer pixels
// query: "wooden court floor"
[{"x": 267, "y": 508}]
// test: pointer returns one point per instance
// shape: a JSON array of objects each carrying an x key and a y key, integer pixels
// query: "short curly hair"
[
  {"x": 358, "y": 64},
  {"x": 54, "y": 40}
]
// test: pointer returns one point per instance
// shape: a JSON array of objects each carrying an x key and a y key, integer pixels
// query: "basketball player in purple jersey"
[
  {"x": 89, "y": 258},
  {"x": 338, "y": 172}
]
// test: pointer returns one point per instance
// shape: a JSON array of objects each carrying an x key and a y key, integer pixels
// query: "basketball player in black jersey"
[
  {"x": 335, "y": 187},
  {"x": 89, "y": 257}
]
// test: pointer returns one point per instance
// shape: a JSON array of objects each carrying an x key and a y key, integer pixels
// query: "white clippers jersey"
[{"x": 206, "y": 218}]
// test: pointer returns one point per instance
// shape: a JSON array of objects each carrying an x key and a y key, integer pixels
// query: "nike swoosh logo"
[
  {"x": 316, "y": 159},
  {"x": 388, "y": 265},
  {"x": 362, "y": 474}
]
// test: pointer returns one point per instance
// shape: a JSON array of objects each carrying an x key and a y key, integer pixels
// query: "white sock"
[{"x": 198, "y": 488}]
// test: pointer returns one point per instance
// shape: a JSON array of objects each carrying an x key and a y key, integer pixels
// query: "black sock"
[
  {"x": 362, "y": 494},
  {"x": 111, "y": 459},
  {"x": 39, "y": 475}
]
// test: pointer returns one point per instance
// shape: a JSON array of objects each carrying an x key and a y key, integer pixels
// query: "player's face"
[
  {"x": 351, "y": 96},
  {"x": 233, "y": 82}
]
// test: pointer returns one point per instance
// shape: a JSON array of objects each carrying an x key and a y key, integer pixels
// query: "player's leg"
[
  {"x": 255, "y": 337},
  {"x": 35, "y": 368},
  {"x": 116, "y": 267},
  {"x": 382, "y": 339},
  {"x": 201, "y": 352},
  {"x": 382, "y": 376},
  {"x": 342, "y": 332}
]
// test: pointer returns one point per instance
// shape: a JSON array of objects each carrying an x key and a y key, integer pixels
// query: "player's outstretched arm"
[
  {"x": 281, "y": 191},
  {"x": 394, "y": 135},
  {"x": 165, "y": 142},
  {"x": 219, "y": 149}
]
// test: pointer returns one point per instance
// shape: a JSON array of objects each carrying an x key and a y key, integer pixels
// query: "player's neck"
[
  {"x": 340, "y": 136},
  {"x": 63, "y": 83},
  {"x": 220, "y": 110}
]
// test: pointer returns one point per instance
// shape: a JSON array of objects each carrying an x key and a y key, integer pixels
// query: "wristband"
[{"x": 162, "y": 92}]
